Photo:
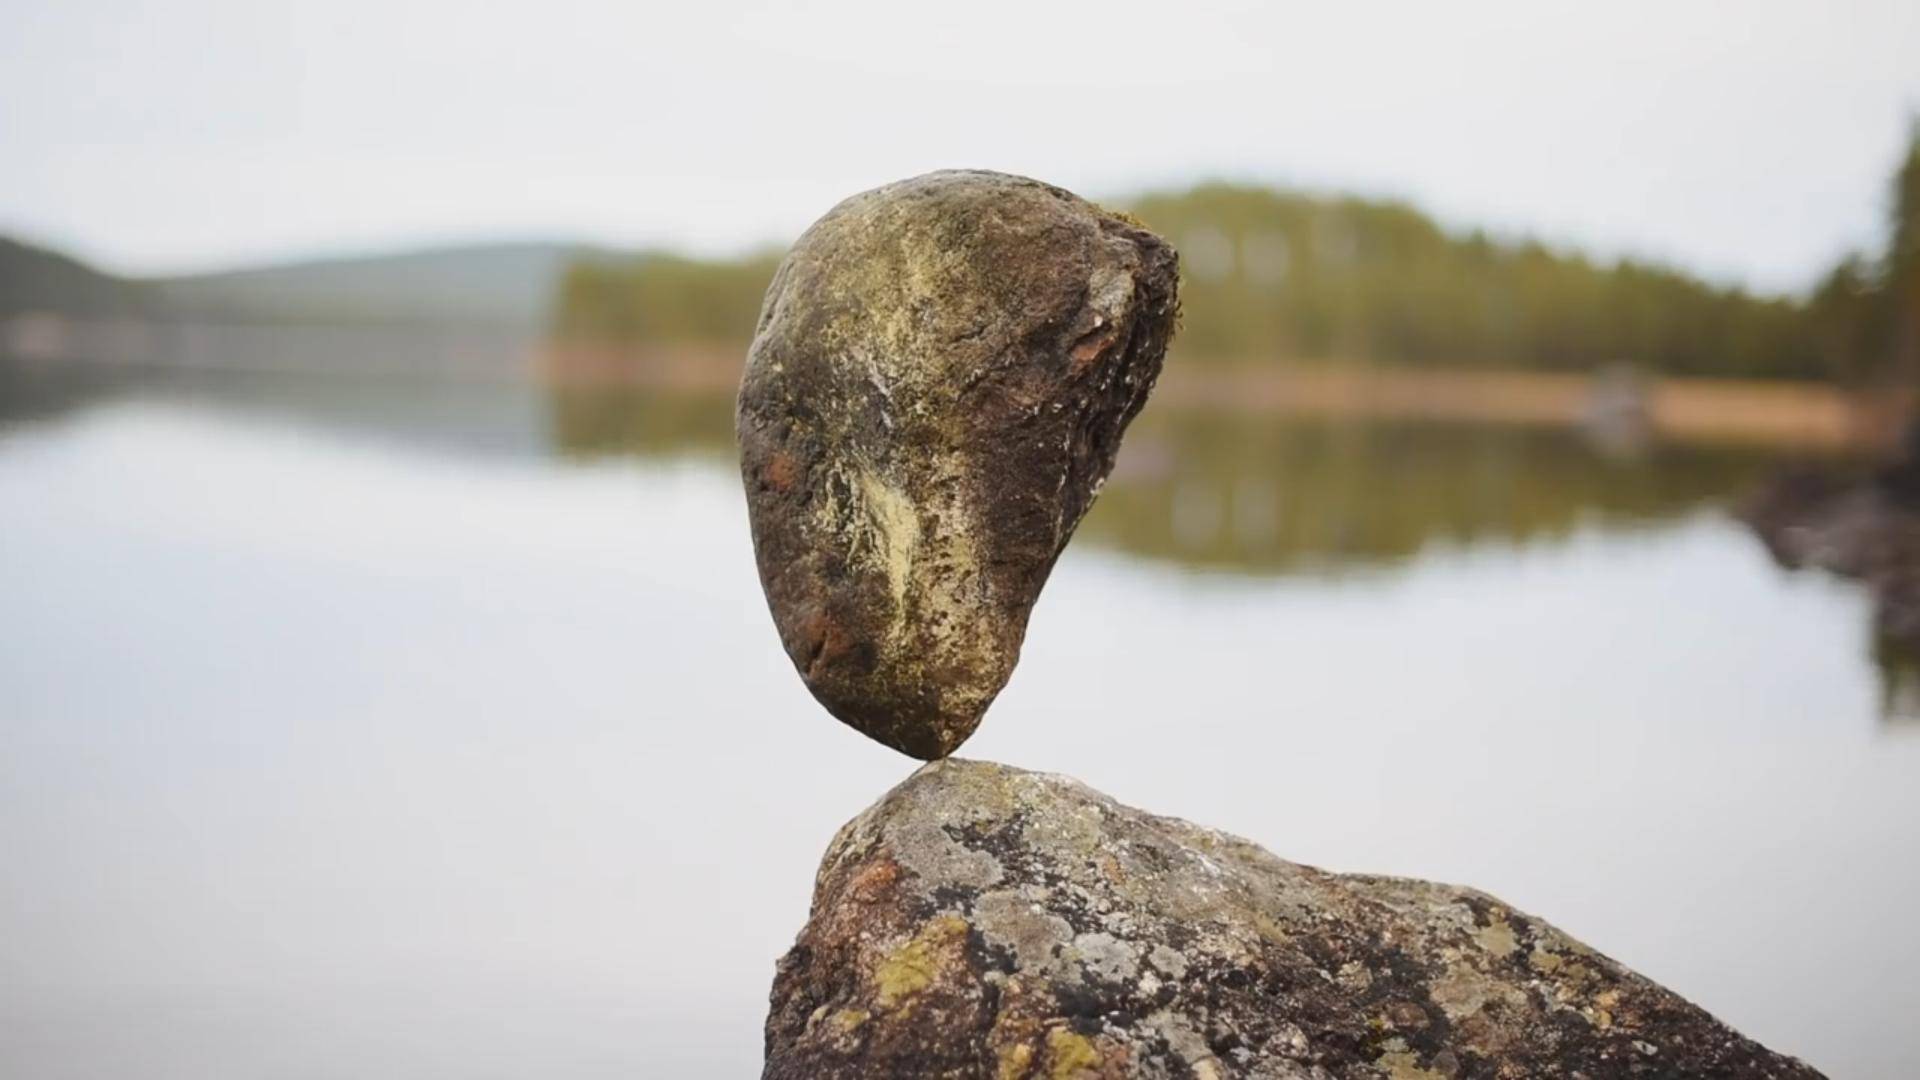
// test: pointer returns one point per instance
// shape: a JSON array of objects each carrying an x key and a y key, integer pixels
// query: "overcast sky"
[{"x": 1750, "y": 142}]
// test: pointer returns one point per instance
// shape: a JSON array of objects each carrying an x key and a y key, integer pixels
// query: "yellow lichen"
[
  {"x": 1270, "y": 929},
  {"x": 1122, "y": 215},
  {"x": 1069, "y": 1054},
  {"x": 1406, "y": 1066},
  {"x": 1497, "y": 937},
  {"x": 895, "y": 533},
  {"x": 1015, "y": 1061},
  {"x": 906, "y": 971},
  {"x": 1462, "y": 990},
  {"x": 1603, "y": 1006},
  {"x": 1575, "y": 976}
]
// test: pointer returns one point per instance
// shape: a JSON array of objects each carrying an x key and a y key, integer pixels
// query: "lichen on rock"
[
  {"x": 937, "y": 388},
  {"x": 985, "y": 922}
]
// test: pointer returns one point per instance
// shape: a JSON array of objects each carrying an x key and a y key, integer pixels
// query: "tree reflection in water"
[{"x": 1235, "y": 492}]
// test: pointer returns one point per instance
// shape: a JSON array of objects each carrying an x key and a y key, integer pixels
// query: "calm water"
[{"x": 363, "y": 729}]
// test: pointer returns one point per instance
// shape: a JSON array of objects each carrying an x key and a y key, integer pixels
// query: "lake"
[{"x": 370, "y": 727}]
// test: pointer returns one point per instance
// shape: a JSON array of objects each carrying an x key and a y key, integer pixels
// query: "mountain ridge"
[{"x": 506, "y": 284}]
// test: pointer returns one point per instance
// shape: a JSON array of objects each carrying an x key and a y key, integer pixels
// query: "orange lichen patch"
[
  {"x": 1089, "y": 349},
  {"x": 872, "y": 884},
  {"x": 1018, "y": 1028},
  {"x": 780, "y": 472},
  {"x": 823, "y": 641}
]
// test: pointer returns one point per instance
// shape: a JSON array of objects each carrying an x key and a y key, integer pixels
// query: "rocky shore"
[{"x": 1862, "y": 527}]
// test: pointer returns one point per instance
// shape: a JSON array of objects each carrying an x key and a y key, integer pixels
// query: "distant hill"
[
  {"x": 508, "y": 286},
  {"x": 35, "y": 279},
  {"x": 469, "y": 308},
  {"x": 504, "y": 286}
]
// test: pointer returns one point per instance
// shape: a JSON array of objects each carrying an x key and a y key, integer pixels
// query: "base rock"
[{"x": 981, "y": 921}]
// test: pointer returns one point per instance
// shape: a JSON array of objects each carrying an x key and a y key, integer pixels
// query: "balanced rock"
[
  {"x": 937, "y": 388},
  {"x": 980, "y": 921}
]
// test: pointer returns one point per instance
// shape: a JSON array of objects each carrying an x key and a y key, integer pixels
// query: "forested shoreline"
[
  {"x": 1271, "y": 278},
  {"x": 1278, "y": 276}
]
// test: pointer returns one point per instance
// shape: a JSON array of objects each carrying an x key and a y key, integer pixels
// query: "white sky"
[{"x": 1750, "y": 142}]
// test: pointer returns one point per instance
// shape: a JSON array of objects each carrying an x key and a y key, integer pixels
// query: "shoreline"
[{"x": 1616, "y": 407}]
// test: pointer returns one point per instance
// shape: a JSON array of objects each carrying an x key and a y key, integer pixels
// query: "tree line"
[
  {"x": 1273, "y": 275},
  {"x": 1865, "y": 315}
]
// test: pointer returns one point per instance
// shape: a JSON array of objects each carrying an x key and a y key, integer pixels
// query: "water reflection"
[
  {"x": 1263, "y": 494},
  {"x": 1899, "y": 683},
  {"x": 617, "y": 420},
  {"x": 1197, "y": 488},
  {"x": 1246, "y": 493}
]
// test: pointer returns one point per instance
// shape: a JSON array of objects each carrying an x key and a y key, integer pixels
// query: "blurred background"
[{"x": 1531, "y": 499}]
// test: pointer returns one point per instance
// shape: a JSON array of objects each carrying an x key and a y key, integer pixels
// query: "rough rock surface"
[
  {"x": 937, "y": 388},
  {"x": 980, "y": 921}
]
